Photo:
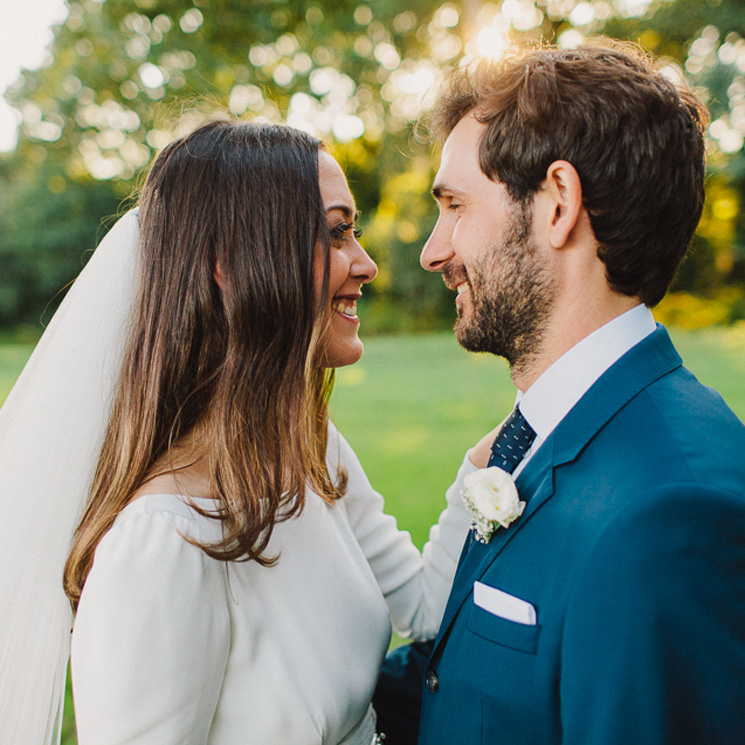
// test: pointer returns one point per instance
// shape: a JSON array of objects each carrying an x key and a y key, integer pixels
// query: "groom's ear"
[{"x": 563, "y": 190}]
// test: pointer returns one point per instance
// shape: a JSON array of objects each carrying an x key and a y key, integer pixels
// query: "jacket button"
[{"x": 432, "y": 681}]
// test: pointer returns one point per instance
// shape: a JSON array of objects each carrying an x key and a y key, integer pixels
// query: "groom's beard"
[{"x": 512, "y": 292}]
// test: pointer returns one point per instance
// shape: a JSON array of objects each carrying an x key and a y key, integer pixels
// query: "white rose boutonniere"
[{"x": 492, "y": 499}]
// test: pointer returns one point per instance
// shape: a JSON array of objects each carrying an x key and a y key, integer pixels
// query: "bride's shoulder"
[
  {"x": 147, "y": 561},
  {"x": 165, "y": 524}
]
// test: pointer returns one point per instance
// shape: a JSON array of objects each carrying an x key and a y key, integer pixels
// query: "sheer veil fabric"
[{"x": 51, "y": 430}]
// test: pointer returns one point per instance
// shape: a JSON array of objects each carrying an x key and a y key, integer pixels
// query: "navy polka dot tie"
[{"x": 512, "y": 442}]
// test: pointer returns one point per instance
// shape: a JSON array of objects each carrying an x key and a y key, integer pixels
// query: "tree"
[{"x": 124, "y": 77}]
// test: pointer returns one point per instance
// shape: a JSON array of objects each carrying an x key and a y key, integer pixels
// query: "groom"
[{"x": 612, "y": 611}]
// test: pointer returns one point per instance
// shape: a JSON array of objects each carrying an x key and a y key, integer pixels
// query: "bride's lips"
[{"x": 346, "y": 307}]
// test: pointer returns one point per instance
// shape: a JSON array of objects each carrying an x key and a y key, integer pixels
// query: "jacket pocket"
[{"x": 498, "y": 630}]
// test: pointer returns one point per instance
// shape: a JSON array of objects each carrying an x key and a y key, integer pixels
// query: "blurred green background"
[{"x": 124, "y": 76}]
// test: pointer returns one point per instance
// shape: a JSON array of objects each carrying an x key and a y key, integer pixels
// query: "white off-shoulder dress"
[{"x": 171, "y": 647}]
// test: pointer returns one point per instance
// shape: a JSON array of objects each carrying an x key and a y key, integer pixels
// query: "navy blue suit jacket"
[{"x": 632, "y": 551}]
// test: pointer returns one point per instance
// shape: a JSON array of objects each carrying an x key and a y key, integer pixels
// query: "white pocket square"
[{"x": 503, "y": 605}]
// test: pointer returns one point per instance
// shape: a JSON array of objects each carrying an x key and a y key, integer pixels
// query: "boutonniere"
[{"x": 491, "y": 497}]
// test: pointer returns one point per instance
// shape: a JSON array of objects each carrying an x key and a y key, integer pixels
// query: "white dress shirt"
[{"x": 553, "y": 395}]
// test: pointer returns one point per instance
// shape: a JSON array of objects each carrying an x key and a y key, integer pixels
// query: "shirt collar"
[{"x": 562, "y": 385}]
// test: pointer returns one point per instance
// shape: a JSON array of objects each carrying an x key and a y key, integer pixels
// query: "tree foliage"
[{"x": 125, "y": 76}]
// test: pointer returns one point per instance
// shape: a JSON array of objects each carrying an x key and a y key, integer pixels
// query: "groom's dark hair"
[{"x": 635, "y": 137}]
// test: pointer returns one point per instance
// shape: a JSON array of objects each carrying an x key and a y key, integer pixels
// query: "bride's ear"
[{"x": 219, "y": 276}]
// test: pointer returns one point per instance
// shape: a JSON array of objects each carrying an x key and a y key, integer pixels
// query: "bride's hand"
[{"x": 479, "y": 453}]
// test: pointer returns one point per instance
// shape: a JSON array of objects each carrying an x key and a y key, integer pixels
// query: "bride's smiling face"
[{"x": 349, "y": 266}]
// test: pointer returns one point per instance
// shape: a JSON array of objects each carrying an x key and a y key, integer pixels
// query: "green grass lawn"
[
  {"x": 414, "y": 404},
  {"x": 410, "y": 409},
  {"x": 12, "y": 359}
]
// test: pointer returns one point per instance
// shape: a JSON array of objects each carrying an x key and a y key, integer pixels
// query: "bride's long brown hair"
[{"x": 240, "y": 365}]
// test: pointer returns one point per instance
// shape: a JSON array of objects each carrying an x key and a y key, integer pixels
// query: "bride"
[{"x": 233, "y": 574}]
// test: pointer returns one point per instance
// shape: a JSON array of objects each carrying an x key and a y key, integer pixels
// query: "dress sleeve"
[
  {"x": 416, "y": 587},
  {"x": 151, "y": 636}
]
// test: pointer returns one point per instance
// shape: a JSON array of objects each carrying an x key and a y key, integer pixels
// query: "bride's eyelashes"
[{"x": 342, "y": 231}]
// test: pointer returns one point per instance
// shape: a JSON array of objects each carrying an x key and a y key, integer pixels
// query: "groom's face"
[{"x": 484, "y": 246}]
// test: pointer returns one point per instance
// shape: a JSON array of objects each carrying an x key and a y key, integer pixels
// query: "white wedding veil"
[{"x": 51, "y": 431}]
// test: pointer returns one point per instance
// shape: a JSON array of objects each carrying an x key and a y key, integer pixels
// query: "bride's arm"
[
  {"x": 416, "y": 587},
  {"x": 151, "y": 637}
]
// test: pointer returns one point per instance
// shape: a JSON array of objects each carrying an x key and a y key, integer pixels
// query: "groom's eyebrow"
[{"x": 443, "y": 190}]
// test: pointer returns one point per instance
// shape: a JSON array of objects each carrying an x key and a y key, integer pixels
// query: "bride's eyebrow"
[{"x": 345, "y": 210}]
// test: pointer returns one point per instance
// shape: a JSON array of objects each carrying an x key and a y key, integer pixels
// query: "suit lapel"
[
  {"x": 535, "y": 486},
  {"x": 648, "y": 361}
]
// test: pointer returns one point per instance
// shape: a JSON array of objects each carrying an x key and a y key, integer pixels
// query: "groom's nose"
[{"x": 438, "y": 249}]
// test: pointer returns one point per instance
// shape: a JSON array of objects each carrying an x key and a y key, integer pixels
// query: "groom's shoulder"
[
  {"x": 687, "y": 404},
  {"x": 668, "y": 387},
  {"x": 671, "y": 454},
  {"x": 687, "y": 429}
]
